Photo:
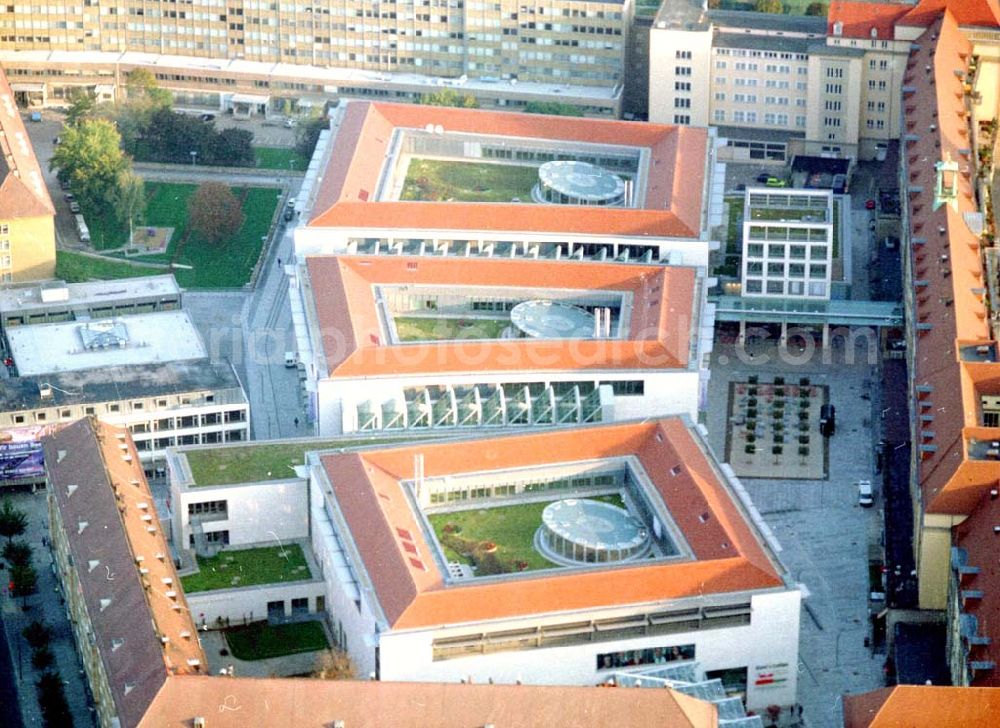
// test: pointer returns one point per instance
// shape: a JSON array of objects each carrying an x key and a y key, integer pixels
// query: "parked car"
[
  {"x": 289, "y": 210},
  {"x": 207, "y": 117},
  {"x": 866, "y": 497},
  {"x": 69, "y": 197},
  {"x": 74, "y": 207},
  {"x": 763, "y": 177},
  {"x": 36, "y": 116},
  {"x": 776, "y": 182},
  {"x": 290, "y": 123},
  {"x": 870, "y": 204}
]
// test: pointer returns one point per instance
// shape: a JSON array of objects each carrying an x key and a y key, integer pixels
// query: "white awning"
[
  {"x": 250, "y": 99},
  {"x": 37, "y": 87}
]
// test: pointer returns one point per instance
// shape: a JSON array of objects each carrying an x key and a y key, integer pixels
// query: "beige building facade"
[{"x": 777, "y": 85}]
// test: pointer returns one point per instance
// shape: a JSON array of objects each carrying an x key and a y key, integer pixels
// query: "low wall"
[{"x": 246, "y": 604}]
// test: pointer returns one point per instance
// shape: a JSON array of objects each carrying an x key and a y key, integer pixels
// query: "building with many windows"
[
  {"x": 781, "y": 85},
  {"x": 637, "y": 555},
  {"x": 277, "y": 55},
  {"x": 27, "y": 227}
]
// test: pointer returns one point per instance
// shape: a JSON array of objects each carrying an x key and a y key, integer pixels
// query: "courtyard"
[
  {"x": 262, "y": 641},
  {"x": 436, "y": 180},
  {"x": 498, "y": 539},
  {"x": 415, "y": 328},
  {"x": 248, "y": 567}
]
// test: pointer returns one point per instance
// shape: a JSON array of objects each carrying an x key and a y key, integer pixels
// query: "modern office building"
[
  {"x": 123, "y": 351},
  {"x": 369, "y": 189},
  {"x": 787, "y": 243},
  {"x": 776, "y": 85},
  {"x": 645, "y": 556},
  {"x": 27, "y": 227},
  {"x": 265, "y": 57},
  {"x": 420, "y": 343}
]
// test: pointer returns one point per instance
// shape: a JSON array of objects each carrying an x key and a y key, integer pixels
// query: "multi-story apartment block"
[
  {"x": 27, "y": 228},
  {"x": 781, "y": 85},
  {"x": 507, "y": 53}
]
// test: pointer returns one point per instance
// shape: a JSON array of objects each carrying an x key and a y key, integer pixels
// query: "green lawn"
[
  {"x": 247, "y": 567},
  {"x": 250, "y": 464},
  {"x": 836, "y": 228},
  {"x": 791, "y": 7},
  {"x": 76, "y": 268},
  {"x": 280, "y": 158},
  {"x": 647, "y": 8},
  {"x": 223, "y": 265},
  {"x": 734, "y": 239},
  {"x": 260, "y": 640},
  {"x": 787, "y": 213},
  {"x": 511, "y": 528},
  {"x": 448, "y": 329},
  {"x": 431, "y": 180}
]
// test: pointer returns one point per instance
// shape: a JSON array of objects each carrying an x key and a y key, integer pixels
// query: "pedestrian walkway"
[
  {"x": 46, "y": 604},
  {"x": 214, "y": 643}
]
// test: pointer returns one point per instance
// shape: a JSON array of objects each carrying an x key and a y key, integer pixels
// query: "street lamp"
[{"x": 194, "y": 154}]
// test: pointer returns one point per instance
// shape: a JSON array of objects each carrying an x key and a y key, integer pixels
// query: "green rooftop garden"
[
  {"x": 254, "y": 463},
  {"x": 814, "y": 214},
  {"x": 497, "y": 540},
  {"x": 248, "y": 567},
  {"x": 261, "y": 640},
  {"x": 432, "y": 180},
  {"x": 412, "y": 328}
]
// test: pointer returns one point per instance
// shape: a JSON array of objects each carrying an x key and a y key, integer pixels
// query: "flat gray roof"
[
  {"x": 808, "y": 24},
  {"x": 112, "y": 384},
  {"x": 779, "y": 43},
  {"x": 91, "y": 293},
  {"x": 150, "y": 338}
]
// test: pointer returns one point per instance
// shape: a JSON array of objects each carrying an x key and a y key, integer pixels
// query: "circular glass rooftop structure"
[
  {"x": 540, "y": 319},
  {"x": 583, "y": 531},
  {"x": 567, "y": 182}
]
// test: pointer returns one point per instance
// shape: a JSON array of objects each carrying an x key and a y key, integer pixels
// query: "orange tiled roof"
[
  {"x": 977, "y": 537},
  {"x": 22, "y": 188},
  {"x": 922, "y": 706},
  {"x": 663, "y": 311},
  {"x": 858, "y": 18},
  {"x": 728, "y": 555},
  {"x": 676, "y": 174},
  {"x": 301, "y": 703},
  {"x": 984, "y": 13},
  {"x": 948, "y": 268}
]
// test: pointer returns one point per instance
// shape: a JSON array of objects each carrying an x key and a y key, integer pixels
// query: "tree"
[
  {"x": 141, "y": 88},
  {"x": 17, "y": 552},
  {"x": 816, "y": 9},
  {"x": 449, "y": 97},
  {"x": 128, "y": 199},
  {"x": 13, "y": 521},
  {"x": 25, "y": 579},
  {"x": 231, "y": 148},
  {"x": 307, "y": 135},
  {"x": 90, "y": 159},
  {"x": 334, "y": 665},
  {"x": 769, "y": 6},
  {"x": 38, "y": 634},
  {"x": 214, "y": 212},
  {"x": 171, "y": 137},
  {"x": 82, "y": 105},
  {"x": 52, "y": 700},
  {"x": 555, "y": 108}
]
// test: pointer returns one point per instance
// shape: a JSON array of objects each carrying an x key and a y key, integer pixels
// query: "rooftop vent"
[
  {"x": 129, "y": 687},
  {"x": 45, "y": 390},
  {"x": 92, "y": 564},
  {"x": 838, "y": 28},
  {"x": 71, "y": 489},
  {"x": 105, "y": 603},
  {"x": 116, "y": 643},
  {"x": 80, "y": 526},
  {"x": 994, "y": 493}
]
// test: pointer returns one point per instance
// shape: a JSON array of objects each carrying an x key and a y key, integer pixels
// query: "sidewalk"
[{"x": 46, "y": 604}]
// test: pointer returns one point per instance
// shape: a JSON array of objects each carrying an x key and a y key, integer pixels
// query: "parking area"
[{"x": 826, "y": 536}]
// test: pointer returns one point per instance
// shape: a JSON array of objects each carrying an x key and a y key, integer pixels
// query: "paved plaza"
[{"x": 824, "y": 534}]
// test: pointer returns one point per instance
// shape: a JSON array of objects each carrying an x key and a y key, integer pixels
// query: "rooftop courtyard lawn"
[
  {"x": 261, "y": 640},
  {"x": 432, "y": 180},
  {"x": 448, "y": 329},
  {"x": 264, "y": 462},
  {"x": 788, "y": 213},
  {"x": 511, "y": 528},
  {"x": 248, "y": 567}
]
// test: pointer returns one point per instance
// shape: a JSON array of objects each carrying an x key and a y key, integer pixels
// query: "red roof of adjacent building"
[
  {"x": 978, "y": 592},
  {"x": 728, "y": 554},
  {"x": 922, "y": 706},
  {"x": 949, "y": 309},
  {"x": 859, "y": 18},
  {"x": 985, "y": 13},
  {"x": 663, "y": 313},
  {"x": 675, "y": 176},
  {"x": 300, "y": 703},
  {"x": 22, "y": 188}
]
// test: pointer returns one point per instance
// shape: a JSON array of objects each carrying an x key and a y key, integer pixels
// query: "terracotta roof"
[
  {"x": 858, "y": 18},
  {"x": 300, "y": 703},
  {"x": 985, "y": 13},
  {"x": 947, "y": 265},
  {"x": 728, "y": 554},
  {"x": 981, "y": 543},
  {"x": 673, "y": 204},
  {"x": 664, "y": 311},
  {"x": 102, "y": 499},
  {"x": 22, "y": 188},
  {"x": 922, "y": 706}
]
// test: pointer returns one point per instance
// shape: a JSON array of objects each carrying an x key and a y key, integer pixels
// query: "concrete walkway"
[{"x": 230, "y": 175}]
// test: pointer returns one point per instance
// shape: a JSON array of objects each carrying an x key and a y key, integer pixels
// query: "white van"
[
  {"x": 866, "y": 497},
  {"x": 291, "y": 359},
  {"x": 81, "y": 229}
]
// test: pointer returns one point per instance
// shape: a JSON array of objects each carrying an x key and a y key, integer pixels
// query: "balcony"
[{"x": 978, "y": 352}]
